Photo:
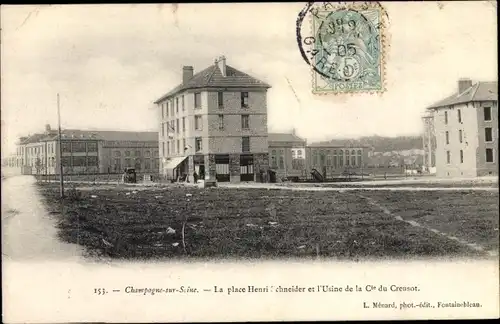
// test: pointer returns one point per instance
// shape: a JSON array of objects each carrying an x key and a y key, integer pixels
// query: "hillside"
[{"x": 381, "y": 144}]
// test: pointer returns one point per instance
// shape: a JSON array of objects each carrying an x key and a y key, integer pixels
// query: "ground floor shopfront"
[{"x": 237, "y": 167}]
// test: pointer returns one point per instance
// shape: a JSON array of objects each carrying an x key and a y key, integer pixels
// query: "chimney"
[
  {"x": 47, "y": 128},
  {"x": 464, "y": 84},
  {"x": 187, "y": 73},
  {"x": 293, "y": 131},
  {"x": 221, "y": 63}
]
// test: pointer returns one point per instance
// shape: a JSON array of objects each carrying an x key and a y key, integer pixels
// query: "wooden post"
[{"x": 60, "y": 149}]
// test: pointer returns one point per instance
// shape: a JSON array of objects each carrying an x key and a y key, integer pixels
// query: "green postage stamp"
[{"x": 345, "y": 47}]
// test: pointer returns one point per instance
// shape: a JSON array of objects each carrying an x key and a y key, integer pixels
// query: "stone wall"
[
  {"x": 260, "y": 162},
  {"x": 210, "y": 168},
  {"x": 234, "y": 167}
]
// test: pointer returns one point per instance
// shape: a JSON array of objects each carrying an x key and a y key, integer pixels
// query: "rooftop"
[
  {"x": 212, "y": 77},
  {"x": 104, "y": 135},
  {"x": 284, "y": 137},
  {"x": 340, "y": 143},
  {"x": 480, "y": 91}
]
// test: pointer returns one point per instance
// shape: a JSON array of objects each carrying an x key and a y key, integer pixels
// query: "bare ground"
[{"x": 128, "y": 223}]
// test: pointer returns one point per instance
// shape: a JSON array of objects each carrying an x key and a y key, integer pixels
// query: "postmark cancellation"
[{"x": 346, "y": 47}]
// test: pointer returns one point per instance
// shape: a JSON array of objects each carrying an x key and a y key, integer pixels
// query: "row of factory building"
[{"x": 110, "y": 152}]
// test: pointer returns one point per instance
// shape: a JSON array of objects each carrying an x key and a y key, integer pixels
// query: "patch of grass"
[
  {"x": 468, "y": 215},
  {"x": 246, "y": 223}
]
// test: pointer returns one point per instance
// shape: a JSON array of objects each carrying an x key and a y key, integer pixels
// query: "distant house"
[
  {"x": 334, "y": 158},
  {"x": 287, "y": 153},
  {"x": 465, "y": 129},
  {"x": 87, "y": 151}
]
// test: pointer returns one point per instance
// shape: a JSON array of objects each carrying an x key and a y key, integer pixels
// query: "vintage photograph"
[{"x": 338, "y": 131}]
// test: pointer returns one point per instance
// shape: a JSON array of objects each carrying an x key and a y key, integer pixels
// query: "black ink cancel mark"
[{"x": 309, "y": 9}]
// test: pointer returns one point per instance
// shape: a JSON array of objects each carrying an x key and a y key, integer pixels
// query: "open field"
[{"x": 179, "y": 222}]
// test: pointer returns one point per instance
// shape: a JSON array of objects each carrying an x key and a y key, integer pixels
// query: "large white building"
[
  {"x": 215, "y": 124},
  {"x": 465, "y": 127}
]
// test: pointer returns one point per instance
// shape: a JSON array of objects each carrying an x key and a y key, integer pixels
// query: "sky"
[{"x": 111, "y": 62}]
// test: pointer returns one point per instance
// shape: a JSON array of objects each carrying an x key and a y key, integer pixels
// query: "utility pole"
[{"x": 60, "y": 149}]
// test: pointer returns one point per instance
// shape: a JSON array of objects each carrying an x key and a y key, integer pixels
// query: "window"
[
  {"x": 341, "y": 158},
  {"x": 461, "y": 156},
  {"x": 172, "y": 108},
  {"x": 92, "y": 161},
  {"x": 66, "y": 161},
  {"x": 168, "y": 148},
  {"x": 460, "y": 136},
  {"x": 244, "y": 169},
  {"x": 79, "y": 161},
  {"x": 282, "y": 162},
  {"x": 197, "y": 123},
  {"x": 147, "y": 154},
  {"x": 446, "y": 118},
  {"x": 167, "y": 107},
  {"x": 127, "y": 153},
  {"x": 197, "y": 100},
  {"x": 78, "y": 147},
  {"x": 487, "y": 113},
  {"x": 245, "y": 122},
  {"x": 178, "y": 146},
  {"x": 163, "y": 148},
  {"x": 488, "y": 134},
  {"x": 162, "y": 130},
  {"x": 448, "y": 157},
  {"x": 347, "y": 160},
  {"x": 360, "y": 158},
  {"x": 137, "y": 153},
  {"x": 183, "y": 123},
  {"x": 274, "y": 164},
  {"x": 128, "y": 163},
  {"x": 118, "y": 153},
  {"x": 147, "y": 164},
  {"x": 220, "y": 99},
  {"x": 182, "y": 103},
  {"x": 322, "y": 157},
  {"x": 66, "y": 147},
  {"x": 222, "y": 168},
  {"x": 198, "y": 144},
  {"x": 162, "y": 111},
  {"x": 489, "y": 155},
  {"x": 447, "y": 135},
  {"x": 244, "y": 100},
  {"x": 138, "y": 164},
  {"x": 335, "y": 158},
  {"x": 459, "y": 115},
  {"x": 91, "y": 147},
  {"x": 245, "y": 144},
  {"x": 177, "y": 126},
  {"x": 221, "y": 122},
  {"x": 353, "y": 158},
  {"x": 184, "y": 145},
  {"x": 177, "y": 105}
]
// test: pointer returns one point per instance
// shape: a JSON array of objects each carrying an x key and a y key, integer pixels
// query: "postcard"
[{"x": 249, "y": 162}]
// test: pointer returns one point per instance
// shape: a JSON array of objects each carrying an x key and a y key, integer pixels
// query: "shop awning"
[{"x": 174, "y": 162}]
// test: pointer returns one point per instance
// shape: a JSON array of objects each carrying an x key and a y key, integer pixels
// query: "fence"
[{"x": 98, "y": 177}]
